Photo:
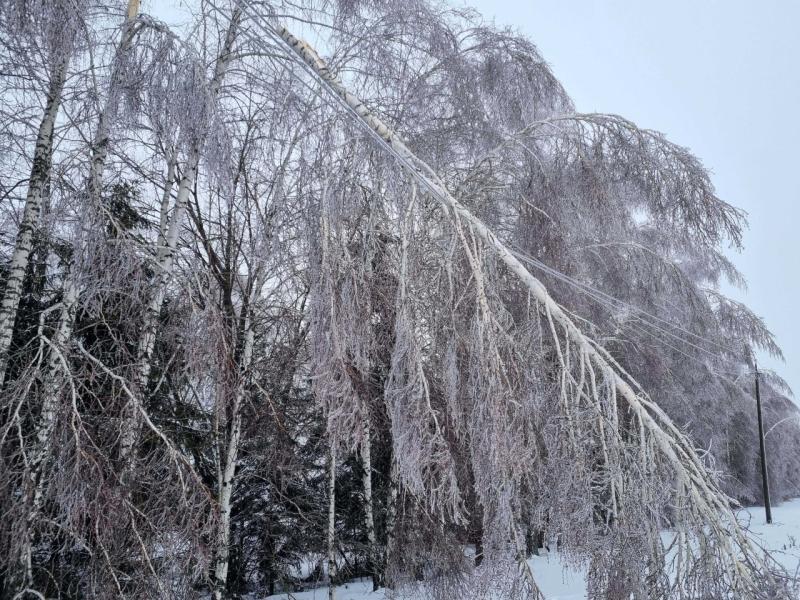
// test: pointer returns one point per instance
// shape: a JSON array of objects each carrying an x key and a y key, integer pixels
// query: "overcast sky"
[{"x": 721, "y": 77}]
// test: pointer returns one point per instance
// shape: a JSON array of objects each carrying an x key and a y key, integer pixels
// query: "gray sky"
[{"x": 721, "y": 77}]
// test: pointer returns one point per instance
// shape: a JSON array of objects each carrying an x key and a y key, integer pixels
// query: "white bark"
[
  {"x": 45, "y": 424},
  {"x": 144, "y": 353},
  {"x": 102, "y": 137},
  {"x": 165, "y": 259},
  {"x": 51, "y": 380},
  {"x": 37, "y": 186},
  {"x": 225, "y": 476},
  {"x": 369, "y": 513},
  {"x": 169, "y": 181}
]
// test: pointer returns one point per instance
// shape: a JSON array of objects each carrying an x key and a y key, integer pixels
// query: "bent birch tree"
[{"x": 740, "y": 562}]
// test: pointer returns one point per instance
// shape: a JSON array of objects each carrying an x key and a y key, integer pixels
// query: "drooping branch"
[
  {"x": 745, "y": 566},
  {"x": 166, "y": 253}
]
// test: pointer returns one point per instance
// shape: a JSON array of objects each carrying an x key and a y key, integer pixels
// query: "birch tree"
[
  {"x": 403, "y": 312},
  {"x": 596, "y": 370},
  {"x": 63, "y": 331},
  {"x": 56, "y": 25},
  {"x": 165, "y": 255}
]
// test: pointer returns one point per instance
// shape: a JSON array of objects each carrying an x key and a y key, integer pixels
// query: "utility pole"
[{"x": 764, "y": 477}]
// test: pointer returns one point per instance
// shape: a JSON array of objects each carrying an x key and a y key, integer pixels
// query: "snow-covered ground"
[{"x": 782, "y": 538}]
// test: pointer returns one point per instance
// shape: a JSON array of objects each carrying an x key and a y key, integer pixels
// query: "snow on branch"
[{"x": 642, "y": 450}]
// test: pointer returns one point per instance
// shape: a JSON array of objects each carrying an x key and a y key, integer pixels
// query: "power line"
[
  {"x": 615, "y": 304},
  {"x": 645, "y": 318}
]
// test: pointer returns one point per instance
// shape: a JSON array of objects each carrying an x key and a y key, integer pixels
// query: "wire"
[
  {"x": 612, "y": 299},
  {"x": 614, "y": 304}
]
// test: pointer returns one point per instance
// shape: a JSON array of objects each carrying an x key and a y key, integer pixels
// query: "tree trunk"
[
  {"x": 34, "y": 481},
  {"x": 102, "y": 137},
  {"x": 224, "y": 495},
  {"x": 332, "y": 524},
  {"x": 228, "y": 471},
  {"x": 37, "y": 185},
  {"x": 373, "y": 562},
  {"x": 165, "y": 259},
  {"x": 391, "y": 519},
  {"x": 52, "y": 381},
  {"x": 144, "y": 351}
]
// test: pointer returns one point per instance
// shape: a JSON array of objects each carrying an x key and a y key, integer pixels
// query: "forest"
[{"x": 298, "y": 292}]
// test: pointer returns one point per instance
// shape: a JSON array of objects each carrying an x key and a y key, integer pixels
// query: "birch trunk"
[
  {"x": 144, "y": 351},
  {"x": 225, "y": 478},
  {"x": 675, "y": 446},
  {"x": 705, "y": 501},
  {"x": 34, "y": 484},
  {"x": 99, "y": 154},
  {"x": 102, "y": 137},
  {"x": 332, "y": 524},
  {"x": 164, "y": 262},
  {"x": 52, "y": 379},
  {"x": 369, "y": 513},
  {"x": 37, "y": 185},
  {"x": 391, "y": 520}
]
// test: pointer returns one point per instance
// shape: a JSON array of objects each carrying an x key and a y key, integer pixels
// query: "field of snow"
[{"x": 782, "y": 537}]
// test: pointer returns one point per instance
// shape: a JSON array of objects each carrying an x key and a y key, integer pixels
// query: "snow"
[
  {"x": 781, "y": 538},
  {"x": 355, "y": 590},
  {"x": 556, "y": 581}
]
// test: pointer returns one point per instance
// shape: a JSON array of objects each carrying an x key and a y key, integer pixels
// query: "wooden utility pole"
[{"x": 764, "y": 476}]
